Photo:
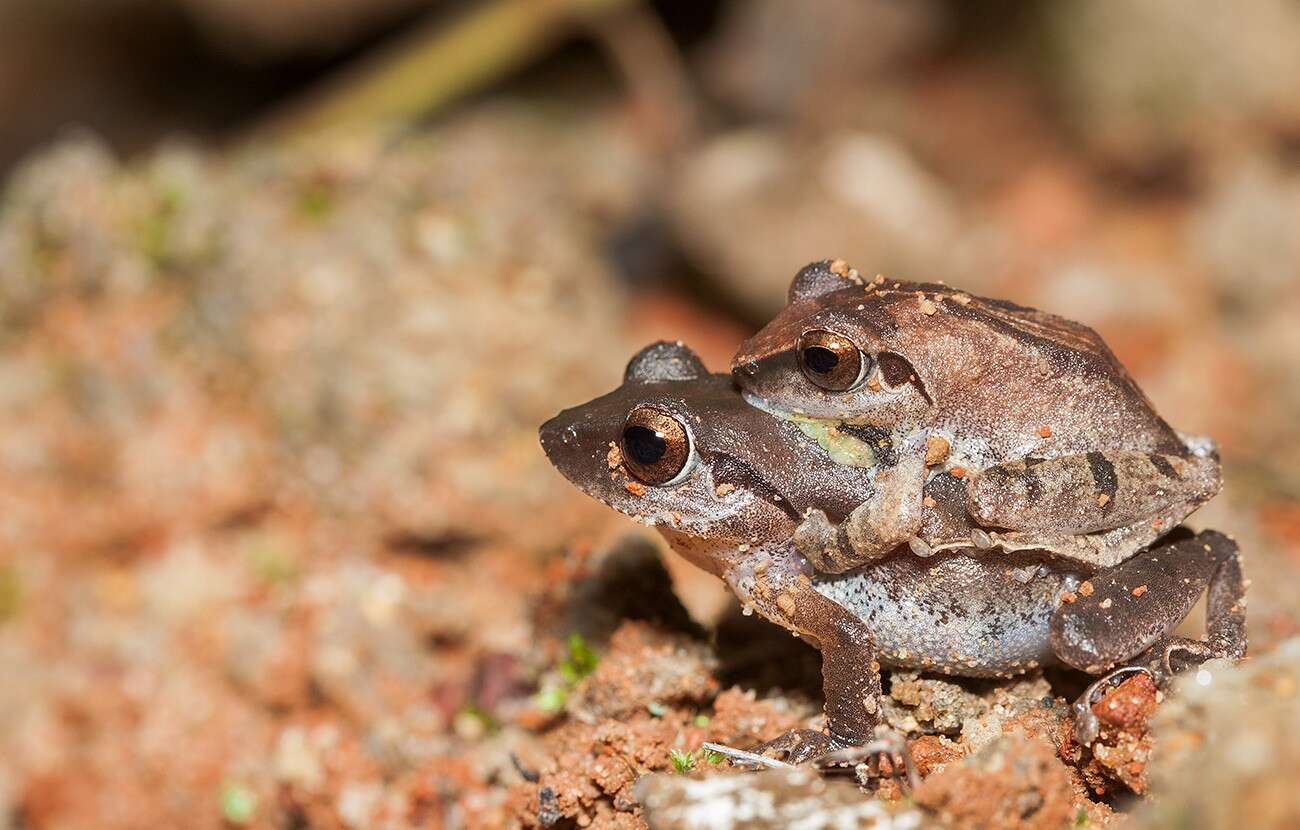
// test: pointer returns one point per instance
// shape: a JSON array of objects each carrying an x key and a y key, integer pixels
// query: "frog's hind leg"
[
  {"x": 771, "y": 580},
  {"x": 1127, "y": 613},
  {"x": 1132, "y": 606},
  {"x": 1091, "y": 492}
]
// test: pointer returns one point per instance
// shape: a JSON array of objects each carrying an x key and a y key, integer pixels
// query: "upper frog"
[{"x": 1058, "y": 445}]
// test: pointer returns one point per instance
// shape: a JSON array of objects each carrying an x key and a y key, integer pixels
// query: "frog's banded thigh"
[{"x": 1089, "y": 492}]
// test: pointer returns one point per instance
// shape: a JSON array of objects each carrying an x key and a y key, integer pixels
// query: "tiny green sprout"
[
  {"x": 708, "y": 756},
  {"x": 580, "y": 662},
  {"x": 483, "y": 721},
  {"x": 683, "y": 762},
  {"x": 272, "y": 561},
  {"x": 701, "y": 721},
  {"x": 551, "y": 699},
  {"x": 1081, "y": 818},
  {"x": 656, "y": 710},
  {"x": 238, "y": 803}
]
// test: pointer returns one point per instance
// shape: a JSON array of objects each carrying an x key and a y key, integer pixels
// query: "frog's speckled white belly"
[{"x": 974, "y": 616}]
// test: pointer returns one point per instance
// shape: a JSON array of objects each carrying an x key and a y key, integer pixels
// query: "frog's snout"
[
  {"x": 745, "y": 368},
  {"x": 563, "y": 446},
  {"x": 554, "y": 434}
]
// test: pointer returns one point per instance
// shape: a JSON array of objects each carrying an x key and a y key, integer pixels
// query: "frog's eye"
[
  {"x": 656, "y": 446},
  {"x": 831, "y": 361}
]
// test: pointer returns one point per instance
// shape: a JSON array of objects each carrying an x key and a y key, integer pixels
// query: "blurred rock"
[
  {"x": 771, "y": 799},
  {"x": 752, "y": 207},
  {"x": 1014, "y": 783},
  {"x": 424, "y": 306},
  {"x": 1246, "y": 231},
  {"x": 1150, "y": 80},
  {"x": 1245, "y": 234},
  {"x": 787, "y": 58},
  {"x": 255, "y": 30},
  {"x": 1226, "y": 754}
]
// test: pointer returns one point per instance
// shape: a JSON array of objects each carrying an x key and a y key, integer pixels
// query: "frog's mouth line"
[
  {"x": 727, "y": 469},
  {"x": 764, "y": 404}
]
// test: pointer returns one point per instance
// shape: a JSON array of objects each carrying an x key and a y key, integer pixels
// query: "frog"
[
  {"x": 1057, "y": 446},
  {"x": 726, "y": 484}
]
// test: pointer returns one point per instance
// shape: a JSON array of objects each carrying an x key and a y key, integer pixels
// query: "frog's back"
[
  {"x": 956, "y": 614},
  {"x": 1006, "y": 371}
]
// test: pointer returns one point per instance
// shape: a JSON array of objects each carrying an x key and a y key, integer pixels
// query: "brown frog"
[
  {"x": 1057, "y": 447},
  {"x": 727, "y": 485}
]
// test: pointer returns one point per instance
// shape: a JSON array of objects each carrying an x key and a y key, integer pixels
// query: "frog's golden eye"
[
  {"x": 831, "y": 361},
  {"x": 656, "y": 446}
]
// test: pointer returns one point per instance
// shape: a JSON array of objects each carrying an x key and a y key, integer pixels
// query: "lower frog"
[{"x": 727, "y": 485}]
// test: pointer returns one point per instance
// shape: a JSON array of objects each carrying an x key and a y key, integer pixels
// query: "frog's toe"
[
  {"x": 1086, "y": 724},
  {"x": 816, "y": 540},
  {"x": 798, "y": 746},
  {"x": 865, "y": 759}
]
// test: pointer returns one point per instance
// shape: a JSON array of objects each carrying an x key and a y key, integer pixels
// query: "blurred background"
[{"x": 286, "y": 288}]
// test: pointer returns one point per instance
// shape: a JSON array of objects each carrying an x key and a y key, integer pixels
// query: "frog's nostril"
[
  {"x": 748, "y": 368},
  {"x": 557, "y": 432}
]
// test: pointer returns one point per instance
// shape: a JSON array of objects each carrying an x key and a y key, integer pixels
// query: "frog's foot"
[
  {"x": 865, "y": 760},
  {"x": 798, "y": 746},
  {"x": 1086, "y": 724},
  {"x": 1161, "y": 663}
]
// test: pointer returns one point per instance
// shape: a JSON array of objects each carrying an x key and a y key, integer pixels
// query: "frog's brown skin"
[
  {"x": 750, "y": 477},
  {"x": 1060, "y": 449}
]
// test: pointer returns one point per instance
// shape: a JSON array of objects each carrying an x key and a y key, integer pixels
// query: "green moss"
[
  {"x": 485, "y": 718},
  {"x": 551, "y": 699},
  {"x": 238, "y": 803},
  {"x": 682, "y": 762},
  {"x": 580, "y": 662}
]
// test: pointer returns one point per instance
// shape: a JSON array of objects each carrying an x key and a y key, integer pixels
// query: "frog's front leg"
[
  {"x": 1126, "y": 614},
  {"x": 1090, "y": 492},
  {"x": 772, "y": 581},
  {"x": 889, "y": 517}
]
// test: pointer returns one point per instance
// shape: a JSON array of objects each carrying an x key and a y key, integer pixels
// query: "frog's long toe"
[
  {"x": 798, "y": 746},
  {"x": 1086, "y": 724},
  {"x": 865, "y": 760}
]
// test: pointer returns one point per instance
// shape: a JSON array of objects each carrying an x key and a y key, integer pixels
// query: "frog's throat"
[{"x": 840, "y": 447}]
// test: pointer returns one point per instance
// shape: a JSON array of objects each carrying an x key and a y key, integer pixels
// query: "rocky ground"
[{"x": 278, "y": 547}]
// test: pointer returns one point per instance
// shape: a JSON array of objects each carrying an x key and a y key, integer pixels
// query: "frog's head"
[
  {"x": 677, "y": 447},
  {"x": 844, "y": 348}
]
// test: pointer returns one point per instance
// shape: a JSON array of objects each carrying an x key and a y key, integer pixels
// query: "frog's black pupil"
[
  {"x": 820, "y": 360},
  {"x": 645, "y": 446}
]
